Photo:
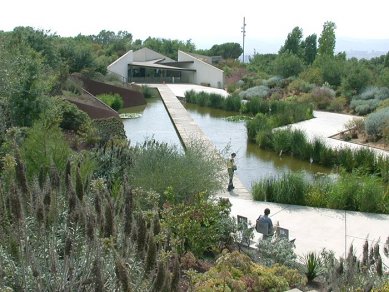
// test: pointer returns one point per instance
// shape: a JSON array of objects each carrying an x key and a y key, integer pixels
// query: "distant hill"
[{"x": 362, "y": 48}]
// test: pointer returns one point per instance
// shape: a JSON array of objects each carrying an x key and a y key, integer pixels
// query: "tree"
[
  {"x": 327, "y": 39},
  {"x": 288, "y": 64},
  {"x": 227, "y": 50},
  {"x": 310, "y": 49},
  {"x": 262, "y": 63},
  {"x": 331, "y": 69},
  {"x": 293, "y": 43},
  {"x": 357, "y": 78}
]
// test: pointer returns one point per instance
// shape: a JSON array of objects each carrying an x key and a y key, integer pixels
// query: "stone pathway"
[{"x": 313, "y": 228}]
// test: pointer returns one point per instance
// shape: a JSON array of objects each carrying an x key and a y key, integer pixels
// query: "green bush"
[
  {"x": 158, "y": 166},
  {"x": 44, "y": 147},
  {"x": 115, "y": 101},
  {"x": 111, "y": 128},
  {"x": 72, "y": 118}
]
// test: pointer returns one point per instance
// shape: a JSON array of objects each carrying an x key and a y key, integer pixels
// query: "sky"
[{"x": 205, "y": 23}]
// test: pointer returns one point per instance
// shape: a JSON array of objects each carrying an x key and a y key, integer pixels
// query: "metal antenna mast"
[{"x": 244, "y": 34}]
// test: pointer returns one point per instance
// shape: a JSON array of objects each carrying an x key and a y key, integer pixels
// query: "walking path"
[{"x": 313, "y": 228}]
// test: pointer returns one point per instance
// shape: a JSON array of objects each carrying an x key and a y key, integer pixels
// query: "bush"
[
  {"x": 111, "y": 128},
  {"x": 322, "y": 96},
  {"x": 364, "y": 107},
  {"x": 158, "y": 166},
  {"x": 72, "y": 118},
  {"x": 44, "y": 147},
  {"x": 261, "y": 91},
  {"x": 300, "y": 86},
  {"x": 115, "y": 101},
  {"x": 375, "y": 123}
]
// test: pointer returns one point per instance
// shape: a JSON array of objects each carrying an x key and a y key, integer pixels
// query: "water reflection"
[
  {"x": 154, "y": 123},
  {"x": 253, "y": 162}
]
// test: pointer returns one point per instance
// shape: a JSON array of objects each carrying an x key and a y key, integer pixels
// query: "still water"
[{"x": 253, "y": 163}]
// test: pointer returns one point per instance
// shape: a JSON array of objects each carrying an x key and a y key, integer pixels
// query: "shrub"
[
  {"x": 375, "y": 122},
  {"x": 364, "y": 107},
  {"x": 111, "y": 128},
  {"x": 72, "y": 118},
  {"x": 379, "y": 93},
  {"x": 300, "y": 86},
  {"x": 261, "y": 91},
  {"x": 280, "y": 251},
  {"x": 115, "y": 101},
  {"x": 158, "y": 166},
  {"x": 322, "y": 96},
  {"x": 44, "y": 147}
]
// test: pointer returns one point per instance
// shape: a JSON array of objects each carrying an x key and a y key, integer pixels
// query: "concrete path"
[{"x": 313, "y": 228}]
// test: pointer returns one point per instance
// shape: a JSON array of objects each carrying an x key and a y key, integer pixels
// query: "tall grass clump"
[
  {"x": 348, "y": 191},
  {"x": 289, "y": 188},
  {"x": 213, "y": 100}
]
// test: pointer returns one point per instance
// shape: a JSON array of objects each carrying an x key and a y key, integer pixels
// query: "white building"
[{"x": 148, "y": 66}]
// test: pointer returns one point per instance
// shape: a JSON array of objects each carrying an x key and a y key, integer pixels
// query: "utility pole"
[{"x": 244, "y": 34}]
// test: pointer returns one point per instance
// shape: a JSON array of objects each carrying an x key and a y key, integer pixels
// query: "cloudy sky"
[{"x": 204, "y": 22}]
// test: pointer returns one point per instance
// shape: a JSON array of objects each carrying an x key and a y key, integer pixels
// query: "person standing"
[{"x": 231, "y": 167}]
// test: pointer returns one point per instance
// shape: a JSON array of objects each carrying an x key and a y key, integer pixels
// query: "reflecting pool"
[{"x": 253, "y": 163}]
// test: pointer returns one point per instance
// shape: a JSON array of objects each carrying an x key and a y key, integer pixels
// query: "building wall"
[
  {"x": 206, "y": 74},
  {"x": 146, "y": 54},
  {"x": 120, "y": 66}
]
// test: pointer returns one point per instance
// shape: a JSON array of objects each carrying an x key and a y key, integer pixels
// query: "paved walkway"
[{"x": 313, "y": 228}]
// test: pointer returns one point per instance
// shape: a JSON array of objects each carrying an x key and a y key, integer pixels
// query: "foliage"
[
  {"x": 198, "y": 225},
  {"x": 347, "y": 192},
  {"x": 168, "y": 47},
  {"x": 310, "y": 49},
  {"x": 213, "y": 100},
  {"x": 111, "y": 128},
  {"x": 376, "y": 122},
  {"x": 288, "y": 188},
  {"x": 44, "y": 147},
  {"x": 312, "y": 263},
  {"x": 278, "y": 251},
  {"x": 236, "y": 272},
  {"x": 369, "y": 99},
  {"x": 358, "y": 77},
  {"x": 300, "y": 86},
  {"x": 293, "y": 43},
  {"x": 327, "y": 39},
  {"x": 187, "y": 174},
  {"x": 227, "y": 50},
  {"x": 288, "y": 64},
  {"x": 322, "y": 96},
  {"x": 261, "y": 91},
  {"x": 115, "y": 101}
]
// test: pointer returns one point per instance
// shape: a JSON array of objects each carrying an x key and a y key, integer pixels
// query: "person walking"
[{"x": 231, "y": 167}]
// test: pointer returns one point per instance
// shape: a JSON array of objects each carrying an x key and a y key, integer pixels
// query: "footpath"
[{"x": 313, "y": 228}]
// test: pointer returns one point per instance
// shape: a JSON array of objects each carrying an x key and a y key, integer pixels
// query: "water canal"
[{"x": 253, "y": 162}]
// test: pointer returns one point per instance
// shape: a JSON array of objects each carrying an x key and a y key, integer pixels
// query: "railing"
[{"x": 156, "y": 80}]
